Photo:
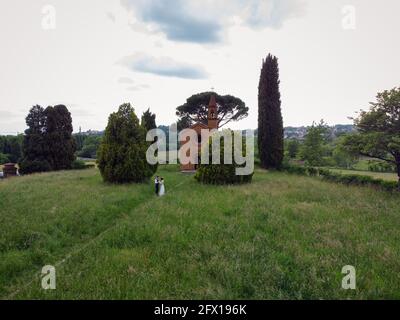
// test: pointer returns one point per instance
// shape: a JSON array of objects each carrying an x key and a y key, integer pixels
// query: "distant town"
[{"x": 297, "y": 133}]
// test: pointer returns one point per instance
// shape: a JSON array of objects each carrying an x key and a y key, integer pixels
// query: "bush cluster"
[
  {"x": 34, "y": 166},
  {"x": 81, "y": 165},
  {"x": 222, "y": 174},
  {"x": 379, "y": 166},
  {"x": 347, "y": 179}
]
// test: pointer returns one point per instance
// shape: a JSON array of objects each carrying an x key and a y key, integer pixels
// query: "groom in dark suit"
[{"x": 157, "y": 184}]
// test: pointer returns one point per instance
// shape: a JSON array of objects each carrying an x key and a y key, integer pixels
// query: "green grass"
[
  {"x": 282, "y": 237},
  {"x": 377, "y": 175},
  {"x": 362, "y": 164}
]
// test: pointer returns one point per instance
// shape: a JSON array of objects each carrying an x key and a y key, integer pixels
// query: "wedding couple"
[{"x": 160, "y": 188}]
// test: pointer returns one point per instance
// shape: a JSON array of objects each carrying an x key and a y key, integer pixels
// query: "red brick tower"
[{"x": 213, "y": 113}]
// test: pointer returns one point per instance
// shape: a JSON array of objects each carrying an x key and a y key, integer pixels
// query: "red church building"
[{"x": 212, "y": 124}]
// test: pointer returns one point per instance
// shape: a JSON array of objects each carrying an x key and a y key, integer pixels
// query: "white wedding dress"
[{"x": 162, "y": 189}]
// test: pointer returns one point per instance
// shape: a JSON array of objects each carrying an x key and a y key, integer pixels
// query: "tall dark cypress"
[
  {"x": 34, "y": 147},
  {"x": 58, "y": 136},
  {"x": 270, "y": 123},
  {"x": 149, "y": 123}
]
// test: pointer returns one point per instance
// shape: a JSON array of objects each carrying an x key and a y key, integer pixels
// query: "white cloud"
[
  {"x": 125, "y": 80},
  {"x": 111, "y": 16},
  {"x": 138, "y": 87},
  {"x": 162, "y": 66},
  {"x": 202, "y": 21}
]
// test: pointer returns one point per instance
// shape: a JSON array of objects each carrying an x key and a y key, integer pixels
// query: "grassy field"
[{"x": 282, "y": 237}]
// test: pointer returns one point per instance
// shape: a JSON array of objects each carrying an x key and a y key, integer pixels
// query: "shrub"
[
  {"x": 311, "y": 171},
  {"x": 380, "y": 166},
  {"x": 347, "y": 179},
  {"x": 329, "y": 175},
  {"x": 353, "y": 179},
  {"x": 88, "y": 151},
  {"x": 221, "y": 174},
  {"x": 79, "y": 165},
  {"x": 29, "y": 167},
  {"x": 390, "y": 185},
  {"x": 323, "y": 172},
  {"x": 366, "y": 180},
  {"x": 296, "y": 170}
]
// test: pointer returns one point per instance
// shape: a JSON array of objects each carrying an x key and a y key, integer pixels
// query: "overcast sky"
[{"x": 93, "y": 55}]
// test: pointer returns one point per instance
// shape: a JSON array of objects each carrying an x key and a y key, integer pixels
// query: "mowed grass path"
[{"x": 282, "y": 237}]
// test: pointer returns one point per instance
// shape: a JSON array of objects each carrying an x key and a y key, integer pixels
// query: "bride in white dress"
[{"x": 162, "y": 188}]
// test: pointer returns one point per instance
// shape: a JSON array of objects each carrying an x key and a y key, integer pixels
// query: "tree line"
[
  {"x": 376, "y": 140},
  {"x": 377, "y": 133},
  {"x": 10, "y": 148},
  {"x": 48, "y": 143}
]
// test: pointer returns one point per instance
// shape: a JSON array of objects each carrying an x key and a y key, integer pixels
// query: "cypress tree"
[
  {"x": 59, "y": 139},
  {"x": 148, "y": 120},
  {"x": 122, "y": 153},
  {"x": 270, "y": 123},
  {"x": 34, "y": 147},
  {"x": 149, "y": 123}
]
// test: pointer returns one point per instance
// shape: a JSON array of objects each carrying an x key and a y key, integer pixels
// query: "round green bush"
[
  {"x": 78, "y": 165},
  {"x": 222, "y": 173}
]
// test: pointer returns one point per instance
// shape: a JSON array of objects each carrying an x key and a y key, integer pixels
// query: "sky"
[{"x": 94, "y": 55}]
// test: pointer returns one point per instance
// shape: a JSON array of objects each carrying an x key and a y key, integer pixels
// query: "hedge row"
[
  {"x": 221, "y": 174},
  {"x": 81, "y": 165},
  {"x": 347, "y": 179}
]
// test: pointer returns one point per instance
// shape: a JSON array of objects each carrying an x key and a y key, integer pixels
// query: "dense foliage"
[
  {"x": 87, "y": 145},
  {"x": 195, "y": 109},
  {"x": 34, "y": 148},
  {"x": 378, "y": 133},
  {"x": 10, "y": 148},
  {"x": 312, "y": 149},
  {"x": 293, "y": 147},
  {"x": 122, "y": 153},
  {"x": 48, "y": 143},
  {"x": 58, "y": 136},
  {"x": 80, "y": 165},
  {"x": 222, "y": 173},
  {"x": 270, "y": 123}
]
